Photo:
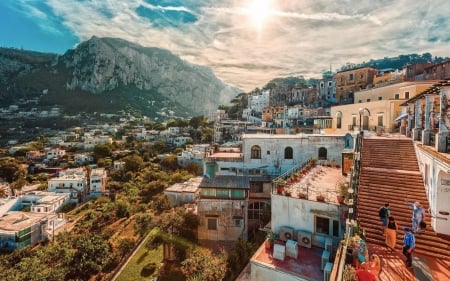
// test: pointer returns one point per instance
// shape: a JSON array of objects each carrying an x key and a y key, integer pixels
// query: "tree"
[
  {"x": 170, "y": 162},
  {"x": 143, "y": 224},
  {"x": 91, "y": 255},
  {"x": 205, "y": 264},
  {"x": 133, "y": 163},
  {"x": 125, "y": 245},
  {"x": 102, "y": 151},
  {"x": 161, "y": 203}
]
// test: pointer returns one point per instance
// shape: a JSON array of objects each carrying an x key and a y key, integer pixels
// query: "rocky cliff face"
[
  {"x": 100, "y": 65},
  {"x": 114, "y": 68}
]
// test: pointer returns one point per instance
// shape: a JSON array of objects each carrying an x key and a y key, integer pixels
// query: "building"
[
  {"x": 192, "y": 154},
  {"x": 183, "y": 193},
  {"x": 349, "y": 82},
  {"x": 97, "y": 180},
  {"x": 374, "y": 108},
  {"x": 21, "y": 229},
  {"x": 55, "y": 153},
  {"x": 257, "y": 102},
  {"x": 222, "y": 208},
  {"x": 439, "y": 71},
  {"x": 91, "y": 141},
  {"x": 72, "y": 181}
]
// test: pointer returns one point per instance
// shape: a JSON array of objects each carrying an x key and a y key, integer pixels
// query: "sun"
[{"x": 259, "y": 11}]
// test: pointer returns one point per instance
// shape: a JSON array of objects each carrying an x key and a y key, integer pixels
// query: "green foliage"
[
  {"x": 170, "y": 163},
  {"x": 133, "y": 163},
  {"x": 68, "y": 207},
  {"x": 143, "y": 224},
  {"x": 161, "y": 203},
  {"x": 204, "y": 263},
  {"x": 125, "y": 246},
  {"x": 122, "y": 209},
  {"x": 148, "y": 269},
  {"x": 239, "y": 257},
  {"x": 102, "y": 151}
]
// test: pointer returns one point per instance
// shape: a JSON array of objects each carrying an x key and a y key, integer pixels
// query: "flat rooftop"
[{"x": 306, "y": 265}]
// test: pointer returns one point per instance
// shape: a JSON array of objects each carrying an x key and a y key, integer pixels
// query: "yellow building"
[{"x": 375, "y": 109}]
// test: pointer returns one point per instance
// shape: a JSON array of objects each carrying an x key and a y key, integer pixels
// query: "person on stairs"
[
  {"x": 384, "y": 213},
  {"x": 391, "y": 233},
  {"x": 409, "y": 243},
  {"x": 418, "y": 216}
]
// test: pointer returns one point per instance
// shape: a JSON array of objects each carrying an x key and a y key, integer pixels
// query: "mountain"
[{"x": 109, "y": 75}]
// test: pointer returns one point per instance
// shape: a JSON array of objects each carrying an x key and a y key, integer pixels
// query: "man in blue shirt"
[{"x": 409, "y": 243}]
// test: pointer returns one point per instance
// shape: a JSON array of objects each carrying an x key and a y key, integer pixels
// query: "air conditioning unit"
[
  {"x": 327, "y": 271},
  {"x": 286, "y": 233},
  {"x": 304, "y": 239}
]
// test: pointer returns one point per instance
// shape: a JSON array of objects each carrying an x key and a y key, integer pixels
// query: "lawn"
[{"x": 133, "y": 270}]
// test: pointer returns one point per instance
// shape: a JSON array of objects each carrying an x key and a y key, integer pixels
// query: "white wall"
[{"x": 436, "y": 176}]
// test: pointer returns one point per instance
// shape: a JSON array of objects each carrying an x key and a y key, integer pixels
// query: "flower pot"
[
  {"x": 280, "y": 189},
  {"x": 320, "y": 198},
  {"x": 302, "y": 195}
]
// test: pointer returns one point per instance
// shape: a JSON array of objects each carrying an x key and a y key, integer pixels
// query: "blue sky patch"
[{"x": 165, "y": 18}]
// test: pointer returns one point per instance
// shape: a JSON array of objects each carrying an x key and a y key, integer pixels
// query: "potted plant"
[
  {"x": 302, "y": 195},
  {"x": 320, "y": 198},
  {"x": 270, "y": 239},
  {"x": 280, "y": 184},
  {"x": 342, "y": 192},
  {"x": 287, "y": 192}
]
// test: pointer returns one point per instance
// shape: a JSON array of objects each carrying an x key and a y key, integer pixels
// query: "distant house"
[
  {"x": 83, "y": 158},
  {"x": 97, "y": 180},
  {"x": 55, "y": 153},
  {"x": 117, "y": 165},
  {"x": 72, "y": 181},
  {"x": 183, "y": 193},
  {"x": 91, "y": 141}
]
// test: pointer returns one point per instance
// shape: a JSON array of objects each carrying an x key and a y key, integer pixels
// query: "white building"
[
  {"x": 97, "y": 180},
  {"x": 55, "y": 153},
  {"x": 257, "y": 102},
  {"x": 91, "y": 141},
  {"x": 73, "y": 181},
  {"x": 193, "y": 154},
  {"x": 83, "y": 158}
]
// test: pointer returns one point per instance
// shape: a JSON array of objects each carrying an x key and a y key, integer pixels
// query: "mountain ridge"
[{"x": 101, "y": 66}]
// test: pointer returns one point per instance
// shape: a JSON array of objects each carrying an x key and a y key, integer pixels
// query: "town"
[{"x": 284, "y": 188}]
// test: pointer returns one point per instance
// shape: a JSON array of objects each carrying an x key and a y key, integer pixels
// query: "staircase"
[{"x": 390, "y": 173}]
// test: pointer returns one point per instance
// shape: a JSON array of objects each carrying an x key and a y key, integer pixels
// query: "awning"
[{"x": 401, "y": 116}]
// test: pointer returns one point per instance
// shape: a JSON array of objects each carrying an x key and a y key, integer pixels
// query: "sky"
[{"x": 245, "y": 42}]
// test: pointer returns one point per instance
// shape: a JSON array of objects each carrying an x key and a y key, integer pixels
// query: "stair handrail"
[
  {"x": 285, "y": 175},
  {"x": 354, "y": 177}
]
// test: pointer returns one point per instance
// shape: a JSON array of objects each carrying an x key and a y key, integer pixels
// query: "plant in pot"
[
  {"x": 270, "y": 239},
  {"x": 280, "y": 184},
  {"x": 342, "y": 192},
  {"x": 320, "y": 198},
  {"x": 287, "y": 192},
  {"x": 302, "y": 195}
]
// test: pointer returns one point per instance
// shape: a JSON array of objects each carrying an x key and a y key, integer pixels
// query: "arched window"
[
  {"x": 338, "y": 120},
  {"x": 255, "y": 152},
  {"x": 288, "y": 153},
  {"x": 322, "y": 153}
]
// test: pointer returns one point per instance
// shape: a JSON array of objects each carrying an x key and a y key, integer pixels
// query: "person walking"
[
  {"x": 391, "y": 233},
  {"x": 384, "y": 213},
  {"x": 409, "y": 243},
  {"x": 418, "y": 216}
]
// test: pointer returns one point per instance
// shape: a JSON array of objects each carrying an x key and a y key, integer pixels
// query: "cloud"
[{"x": 303, "y": 37}]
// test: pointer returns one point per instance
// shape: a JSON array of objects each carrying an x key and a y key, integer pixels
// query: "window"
[
  {"x": 327, "y": 226},
  {"x": 368, "y": 100},
  {"x": 339, "y": 120},
  {"x": 268, "y": 152},
  {"x": 255, "y": 152},
  {"x": 237, "y": 193},
  {"x": 208, "y": 192},
  {"x": 288, "y": 153},
  {"x": 361, "y": 76},
  {"x": 380, "y": 120},
  {"x": 212, "y": 224},
  {"x": 322, "y": 153},
  {"x": 380, "y": 98},
  {"x": 237, "y": 222},
  {"x": 222, "y": 193},
  {"x": 257, "y": 211},
  {"x": 406, "y": 95},
  {"x": 397, "y": 96},
  {"x": 256, "y": 187},
  {"x": 350, "y": 77},
  {"x": 354, "y": 121},
  {"x": 359, "y": 101}
]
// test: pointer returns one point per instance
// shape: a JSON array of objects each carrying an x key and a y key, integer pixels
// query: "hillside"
[{"x": 108, "y": 75}]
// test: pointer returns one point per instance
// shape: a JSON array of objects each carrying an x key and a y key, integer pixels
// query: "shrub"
[{"x": 148, "y": 269}]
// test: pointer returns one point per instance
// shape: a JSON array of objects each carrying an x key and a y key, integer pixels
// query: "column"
[
  {"x": 441, "y": 137},
  {"x": 410, "y": 120},
  {"x": 426, "y": 131},
  {"x": 417, "y": 128}
]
